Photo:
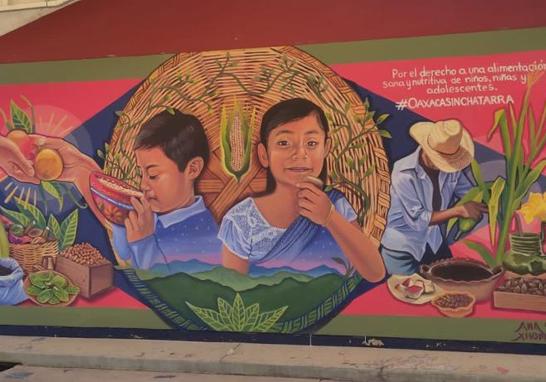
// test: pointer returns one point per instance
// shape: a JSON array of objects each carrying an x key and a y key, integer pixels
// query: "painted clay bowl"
[
  {"x": 112, "y": 196},
  {"x": 463, "y": 275}
]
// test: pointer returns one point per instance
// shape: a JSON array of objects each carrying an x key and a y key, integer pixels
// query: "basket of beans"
[{"x": 454, "y": 304}]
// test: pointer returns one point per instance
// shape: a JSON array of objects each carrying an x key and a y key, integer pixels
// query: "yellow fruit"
[{"x": 48, "y": 164}]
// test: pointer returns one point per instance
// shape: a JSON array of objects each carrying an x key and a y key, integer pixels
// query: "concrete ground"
[
  {"x": 157, "y": 360},
  {"x": 48, "y": 374}
]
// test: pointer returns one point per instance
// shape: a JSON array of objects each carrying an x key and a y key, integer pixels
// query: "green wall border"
[
  {"x": 81, "y": 317},
  {"x": 436, "y": 328},
  {"x": 138, "y": 67}
]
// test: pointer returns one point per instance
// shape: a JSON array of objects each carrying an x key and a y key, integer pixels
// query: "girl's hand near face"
[
  {"x": 314, "y": 204},
  {"x": 361, "y": 250},
  {"x": 140, "y": 222}
]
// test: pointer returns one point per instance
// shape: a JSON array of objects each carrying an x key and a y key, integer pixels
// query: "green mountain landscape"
[
  {"x": 299, "y": 296},
  {"x": 239, "y": 282}
]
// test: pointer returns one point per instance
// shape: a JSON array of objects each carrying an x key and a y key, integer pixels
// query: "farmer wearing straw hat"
[{"x": 424, "y": 186}]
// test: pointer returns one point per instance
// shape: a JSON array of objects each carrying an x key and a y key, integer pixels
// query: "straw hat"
[{"x": 447, "y": 143}]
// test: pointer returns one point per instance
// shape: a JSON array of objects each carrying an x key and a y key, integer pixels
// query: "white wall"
[{"x": 11, "y": 20}]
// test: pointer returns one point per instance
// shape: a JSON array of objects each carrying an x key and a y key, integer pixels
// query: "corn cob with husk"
[{"x": 236, "y": 131}]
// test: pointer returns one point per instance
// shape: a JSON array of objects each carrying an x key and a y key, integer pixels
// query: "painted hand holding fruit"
[
  {"x": 13, "y": 161},
  {"x": 47, "y": 163}
]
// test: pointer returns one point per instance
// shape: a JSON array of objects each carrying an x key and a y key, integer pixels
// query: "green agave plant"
[{"x": 238, "y": 318}]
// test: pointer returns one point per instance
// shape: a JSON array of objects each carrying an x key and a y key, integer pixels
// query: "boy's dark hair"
[
  {"x": 180, "y": 136},
  {"x": 288, "y": 111}
]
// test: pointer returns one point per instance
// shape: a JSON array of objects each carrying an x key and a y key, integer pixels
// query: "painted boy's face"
[
  {"x": 295, "y": 149},
  {"x": 164, "y": 186}
]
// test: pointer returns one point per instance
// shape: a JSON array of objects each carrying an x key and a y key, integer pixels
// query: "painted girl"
[{"x": 294, "y": 223}]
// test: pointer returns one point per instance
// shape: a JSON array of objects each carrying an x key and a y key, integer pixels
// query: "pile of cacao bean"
[{"x": 523, "y": 285}]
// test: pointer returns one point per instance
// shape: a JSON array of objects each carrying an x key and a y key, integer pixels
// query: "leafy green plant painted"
[
  {"x": 30, "y": 217},
  {"x": 49, "y": 287},
  {"x": 523, "y": 168},
  {"x": 238, "y": 318}
]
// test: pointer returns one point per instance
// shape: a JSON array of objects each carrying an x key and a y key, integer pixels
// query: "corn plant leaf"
[
  {"x": 224, "y": 135},
  {"x": 477, "y": 173},
  {"x": 69, "y": 228},
  {"x": 516, "y": 161},
  {"x": 50, "y": 188},
  {"x": 493, "y": 207},
  {"x": 20, "y": 118},
  {"x": 210, "y": 317},
  {"x": 531, "y": 177},
  {"x": 482, "y": 251},
  {"x": 540, "y": 127},
  {"x": 470, "y": 195},
  {"x": 32, "y": 212},
  {"x": 54, "y": 227},
  {"x": 502, "y": 123},
  {"x": 268, "y": 319},
  {"x": 532, "y": 134},
  {"x": 16, "y": 217}
]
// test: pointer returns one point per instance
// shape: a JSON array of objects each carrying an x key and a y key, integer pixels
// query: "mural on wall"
[{"x": 261, "y": 191}]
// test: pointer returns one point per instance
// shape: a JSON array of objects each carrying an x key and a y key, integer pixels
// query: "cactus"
[{"x": 236, "y": 132}]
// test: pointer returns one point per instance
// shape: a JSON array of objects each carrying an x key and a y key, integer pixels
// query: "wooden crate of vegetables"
[{"x": 87, "y": 268}]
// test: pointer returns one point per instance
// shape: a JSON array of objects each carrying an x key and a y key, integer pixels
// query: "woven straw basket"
[
  {"x": 29, "y": 255},
  {"x": 203, "y": 84}
]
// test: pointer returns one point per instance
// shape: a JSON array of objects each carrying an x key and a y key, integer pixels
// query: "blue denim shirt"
[{"x": 409, "y": 216}]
